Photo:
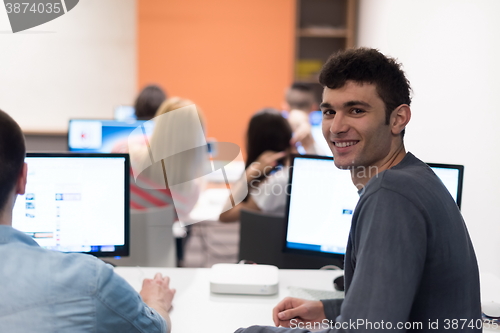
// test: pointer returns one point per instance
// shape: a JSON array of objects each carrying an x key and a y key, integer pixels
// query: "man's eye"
[
  {"x": 328, "y": 112},
  {"x": 358, "y": 111}
]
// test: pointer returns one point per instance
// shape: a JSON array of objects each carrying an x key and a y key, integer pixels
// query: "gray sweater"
[{"x": 410, "y": 264}]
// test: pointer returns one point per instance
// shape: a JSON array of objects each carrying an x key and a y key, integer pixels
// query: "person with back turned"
[{"x": 49, "y": 291}]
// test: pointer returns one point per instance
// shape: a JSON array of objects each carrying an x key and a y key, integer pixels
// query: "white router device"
[{"x": 244, "y": 279}]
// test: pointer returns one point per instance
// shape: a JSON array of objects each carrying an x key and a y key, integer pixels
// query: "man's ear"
[
  {"x": 21, "y": 181},
  {"x": 400, "y": 118}
]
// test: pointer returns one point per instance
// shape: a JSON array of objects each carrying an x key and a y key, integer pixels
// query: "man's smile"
[{"x": 343, "y": 144}]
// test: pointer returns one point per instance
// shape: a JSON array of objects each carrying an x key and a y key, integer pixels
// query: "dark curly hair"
[
  {"x": 300, "y": 96},
  {"x": 12, "y": 153},
  {"x": 365, "y": 65}
]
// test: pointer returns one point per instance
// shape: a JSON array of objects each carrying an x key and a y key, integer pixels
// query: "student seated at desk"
[
  {"x": 299, "y": 103},
  {"x": 409, "y": 264},
  {"x": 148, "y": 101},
  {"x": 149, "y": 187},
  {"x": 49, "y": 291},
  {"x": 178, "y": 123},
  {"x": 268, "y": 150}
]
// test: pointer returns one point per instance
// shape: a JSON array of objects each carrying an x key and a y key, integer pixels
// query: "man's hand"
[
  {"x": 302, "y": 134},
  {"x": 157, "y": 294},
  {"x": 264, "y": 164},
  {"x": 301, "y": 127},
  {"x": 301, "y": 309}
]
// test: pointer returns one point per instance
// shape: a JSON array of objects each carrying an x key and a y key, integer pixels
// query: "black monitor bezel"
[
  {"x": 286, "y": 249},
  {"x": 460, "y": 169},
  {"x": 119, "y": 250}
]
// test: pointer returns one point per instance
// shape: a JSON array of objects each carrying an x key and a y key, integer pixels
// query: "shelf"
[
  {"x": 322, "y": 28},
  {"x": 308, "y": 79},
  {"x": 323, "y": 32}
]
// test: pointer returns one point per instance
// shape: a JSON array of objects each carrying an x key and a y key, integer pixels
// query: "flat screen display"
[
  {"x": 316, "y": 118},
  {"x": 320, "y": 206},
  {"x": 452, "y": 176},
  {"x": 124, "y": 113},
  {"x": 322, "y": 199},
  {"x": 76, "y": 203},
  {"x": 103, "y": 136}
]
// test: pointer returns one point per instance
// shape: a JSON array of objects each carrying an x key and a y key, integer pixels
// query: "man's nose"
[{"x": 339, "y": 124}]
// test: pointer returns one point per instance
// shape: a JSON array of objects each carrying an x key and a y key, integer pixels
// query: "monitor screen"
[
  {"x": 316, "y": 118},
  {"x": 322, "y": 199},
  {"x": 321, "y": 202},
  {"x": 124, "y": 113},
  {"x": 103, "y": 136},
  {"x": 452, "y": 176},
  {"x": 76, "y": 203}
]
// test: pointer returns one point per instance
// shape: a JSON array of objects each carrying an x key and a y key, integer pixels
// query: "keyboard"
[{"x": 314, "y": 294}]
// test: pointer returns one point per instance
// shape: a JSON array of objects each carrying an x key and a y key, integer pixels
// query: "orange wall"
[{"x": 231, "y": 57}]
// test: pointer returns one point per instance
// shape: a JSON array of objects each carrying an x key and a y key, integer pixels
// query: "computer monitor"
[
  {"x": 315, "y": 119},
  {"x": 103, "y": 136},
  {"x": 124, "y": 113},
  {"x": 452, "y": 176},
  {"x": 322, "y": 199},
  {"x": 76, "y": 203}
]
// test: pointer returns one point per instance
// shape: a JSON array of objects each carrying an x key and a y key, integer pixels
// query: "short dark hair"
[
  {"x": 365, "y": 65},
  {"x": 301, "y": 87},
  {"x": 267, "y": 130},
  {"x": 300, "y": 96},
  {"x": 12, "y": 153},
  {"x": 148, "y": 102}
]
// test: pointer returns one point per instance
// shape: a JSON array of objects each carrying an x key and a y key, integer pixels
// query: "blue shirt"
[{"x": 48, "y": 291}]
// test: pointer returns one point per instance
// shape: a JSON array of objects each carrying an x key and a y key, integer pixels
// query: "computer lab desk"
[{"x": 196, "y": 309}]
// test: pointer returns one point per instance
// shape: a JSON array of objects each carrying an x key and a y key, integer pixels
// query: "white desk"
[
  {"x": 209, "y": 205},
  {"x": 196, "y": 309}
]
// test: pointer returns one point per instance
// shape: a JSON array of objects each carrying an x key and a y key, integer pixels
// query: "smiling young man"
[
  {"x": 362, "y": 137},
  {"x": 410, "y": 264}
]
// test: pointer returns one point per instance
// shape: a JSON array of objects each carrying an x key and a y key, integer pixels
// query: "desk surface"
[{"x": 197, "y": 309}]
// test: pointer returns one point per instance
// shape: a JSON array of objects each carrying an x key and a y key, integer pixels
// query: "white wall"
[
  {"x": 78, "y": 65},
  {"x": 450, "y": 50}
]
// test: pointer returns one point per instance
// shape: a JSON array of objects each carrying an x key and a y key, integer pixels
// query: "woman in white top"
[{"x": 268, "y": 150}]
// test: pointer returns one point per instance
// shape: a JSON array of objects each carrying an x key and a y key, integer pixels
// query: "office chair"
[
  {"x": 261, "y": 241},
  {"x": 152, "y": 241},
  {"x": 261, "y": 238}
]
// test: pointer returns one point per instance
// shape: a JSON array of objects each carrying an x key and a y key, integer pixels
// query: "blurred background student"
[
  {"x": 266, "y": 168},
  {"x": 156, "y": 178},
  {"x": 148, "y": 101},
  {"x": 300, "y": 102}
]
